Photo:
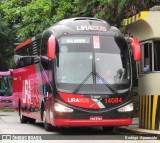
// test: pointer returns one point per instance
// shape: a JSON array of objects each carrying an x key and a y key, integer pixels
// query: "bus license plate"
[{"x": 96, "y": 118}]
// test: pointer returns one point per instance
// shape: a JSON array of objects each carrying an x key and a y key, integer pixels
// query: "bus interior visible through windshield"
[{"x": 98, "y": 64}]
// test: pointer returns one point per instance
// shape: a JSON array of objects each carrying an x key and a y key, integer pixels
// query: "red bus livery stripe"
[{"x": 24, "y": 43}]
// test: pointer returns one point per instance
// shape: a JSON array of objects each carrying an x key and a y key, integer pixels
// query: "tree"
[
  {"x": 30, "y": 17},
  {"x": 33, "y": 16},
  {"x": 113, "y": 11},
  {"x": 25, "y": 19},
  {"x": 22, "y": 19},
  {"x": 6, "y": 43}
]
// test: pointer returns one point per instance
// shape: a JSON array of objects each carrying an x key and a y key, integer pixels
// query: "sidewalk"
[{"x": 134, "y": 128}]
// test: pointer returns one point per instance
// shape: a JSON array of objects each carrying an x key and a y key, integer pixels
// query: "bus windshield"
[
  {"x": 5, "y": 85},
  {"x": 93, "y": 64}
]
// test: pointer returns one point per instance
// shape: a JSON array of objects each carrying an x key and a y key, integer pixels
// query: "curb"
[{"x": 137, "y": 131}]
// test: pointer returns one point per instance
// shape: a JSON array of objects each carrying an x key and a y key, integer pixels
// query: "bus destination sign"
[{"x": 70, "y": 40}]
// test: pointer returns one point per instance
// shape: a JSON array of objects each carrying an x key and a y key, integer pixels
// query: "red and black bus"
[{"x": 76, "y": 73}]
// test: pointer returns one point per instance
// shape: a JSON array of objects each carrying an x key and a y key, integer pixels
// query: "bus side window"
[
  {"x": 28, "y": 58},
  {"x": 18, "y": 58},
  {"x": 24, "y": 56}
]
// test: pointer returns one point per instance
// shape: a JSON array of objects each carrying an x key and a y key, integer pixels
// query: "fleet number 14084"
[{"x": 113, "y": 100}]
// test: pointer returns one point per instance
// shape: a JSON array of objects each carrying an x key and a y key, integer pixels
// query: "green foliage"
[
  {"x": 7, "y": 110},
  {"x": 33, "y": 16},
  {"x": 85, "y": 8},
  {"x": 22, "y": 19},
  {"x": 29, "y": 17},
  {"x": 6, "y": 42}
]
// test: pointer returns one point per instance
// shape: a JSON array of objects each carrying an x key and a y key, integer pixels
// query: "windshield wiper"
[
  {"x": 80, "y": 85},
  {"x": 93, "y": 73},
  {"x": 105, "y": 82},
  {"x": 114, "y": 90}
]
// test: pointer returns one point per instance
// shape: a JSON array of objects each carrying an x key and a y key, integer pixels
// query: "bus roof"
[
  {"x": 80, "y": 25},
  {"x": 83, "y": 25},
  {"x": 144, "y": 26},
  {"x": 5, "y": 73}
]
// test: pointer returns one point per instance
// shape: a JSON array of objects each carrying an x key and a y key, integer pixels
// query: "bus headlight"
[
  {"x": 126, "y": 108},
  {"x": 61, "y": 108}
]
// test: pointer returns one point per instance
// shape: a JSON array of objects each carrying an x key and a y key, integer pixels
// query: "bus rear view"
[{"x": 84, "y": 75}]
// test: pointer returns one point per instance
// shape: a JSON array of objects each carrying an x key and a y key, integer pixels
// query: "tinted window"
[{"x": 27, "y": 55}]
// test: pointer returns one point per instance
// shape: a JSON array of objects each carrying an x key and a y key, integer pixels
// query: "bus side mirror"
[
  {"x": 136, "y": 48},
  {"x": 51, "y": 47}
]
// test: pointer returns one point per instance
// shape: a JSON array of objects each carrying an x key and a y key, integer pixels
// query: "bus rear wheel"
[
  {"x": 23, "y": 119},
  {"x": 47, "y": 126}
]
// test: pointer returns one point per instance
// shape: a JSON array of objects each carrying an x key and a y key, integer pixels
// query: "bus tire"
[
  {"x": 31, "y": 121},
  {"x": 47, "y": 126},
  {"x": 108, "y": 129},
  {"x": 23, "y": 119}
]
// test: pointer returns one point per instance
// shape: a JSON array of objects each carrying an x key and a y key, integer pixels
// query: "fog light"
[
  {"x": 126, "y": 108},
  {"x": 61, "y": 108}
]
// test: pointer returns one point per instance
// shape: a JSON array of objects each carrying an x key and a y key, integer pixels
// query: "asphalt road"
[{"x": 11, "y": 126}]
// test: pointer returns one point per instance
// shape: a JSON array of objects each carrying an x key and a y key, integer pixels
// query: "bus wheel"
[
  {"x": 108, "y": 129},
  {"x": 47, "y": 126},
  {"x": 23, "y": 119}
]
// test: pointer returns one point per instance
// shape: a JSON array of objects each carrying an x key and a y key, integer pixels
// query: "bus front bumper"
[{"x": 87, "y": 123}]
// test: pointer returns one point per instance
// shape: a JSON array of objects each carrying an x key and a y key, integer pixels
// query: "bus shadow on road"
[
  {"x": 78, "y": 130},
  {"x": 84, "y": 131}
]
